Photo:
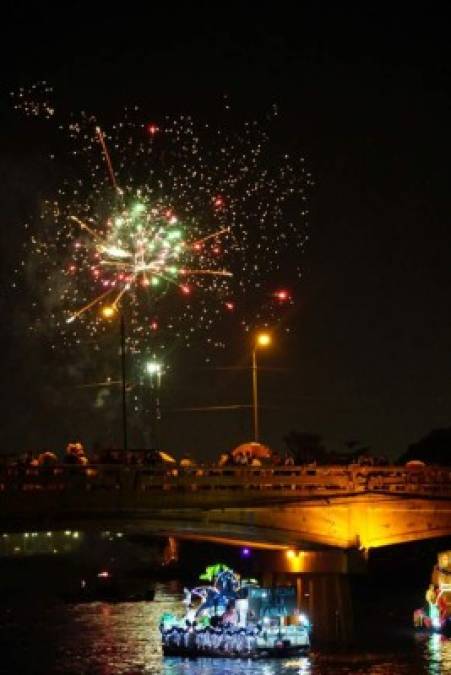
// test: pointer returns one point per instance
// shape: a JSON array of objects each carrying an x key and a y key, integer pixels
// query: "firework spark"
[
  {"x": 142, "y": 246},
  {"x": 185, "y": 224}
]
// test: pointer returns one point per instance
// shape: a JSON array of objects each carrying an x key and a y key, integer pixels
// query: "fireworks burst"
[
  {"x": 142, "y": 246},
  {"x": 210, "y": 220}
]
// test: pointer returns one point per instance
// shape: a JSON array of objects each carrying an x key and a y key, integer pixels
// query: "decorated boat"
[
  {"x": 436, "y": 614},
  {"x": 234, "y": 617}
]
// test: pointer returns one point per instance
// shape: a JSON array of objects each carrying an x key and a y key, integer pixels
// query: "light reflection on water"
[
  {"x": 437, "y": 654},
  {"x": 123, "y": 639}
]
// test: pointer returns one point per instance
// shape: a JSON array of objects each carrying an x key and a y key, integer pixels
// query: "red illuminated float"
[{"x": 436, "y": 614}]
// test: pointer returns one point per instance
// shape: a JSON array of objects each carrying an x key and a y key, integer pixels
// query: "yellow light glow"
[
  {"x": 290, "y": 554},
  {"x": 263, "y": 340},
  {"x": 108, "y": 311}
]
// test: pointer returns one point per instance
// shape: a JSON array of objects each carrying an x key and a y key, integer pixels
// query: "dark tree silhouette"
[
  {"x": 435, "y": 448},
  {"x": 306, "y": 447}
]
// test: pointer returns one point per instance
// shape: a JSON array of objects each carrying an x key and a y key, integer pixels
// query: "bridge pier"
[{"x": 323, "y": 589}]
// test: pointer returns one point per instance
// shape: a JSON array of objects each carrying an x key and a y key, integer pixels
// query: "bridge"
[
  {"x": 281, "y": 507},
  {"x": 315, "y": 522}
]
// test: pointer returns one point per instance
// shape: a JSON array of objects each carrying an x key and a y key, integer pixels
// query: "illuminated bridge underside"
[
  {"x": 342, "y": 523},
  {"x": 331, "y": 506}
]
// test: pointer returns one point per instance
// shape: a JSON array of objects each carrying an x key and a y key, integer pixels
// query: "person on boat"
[
  {"x": 431, "y": 599},
  {"x": 191, "y": 613},
  {"x": 431, "y": 595},
  {"x": 230, "y": 616},
  {"x": 442, "y": 606}
]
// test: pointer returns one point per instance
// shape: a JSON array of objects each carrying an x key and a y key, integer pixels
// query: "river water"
[{"x": 123, "y": 639}]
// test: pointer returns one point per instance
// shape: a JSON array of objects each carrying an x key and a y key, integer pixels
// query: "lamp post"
[
  {"x": 260, "y": 340},
  {"x": 155, "y": 370},
  {"x": 108, "y": 312}
]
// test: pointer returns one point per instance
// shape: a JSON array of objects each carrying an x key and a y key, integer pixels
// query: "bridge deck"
[{"x": 335, "y": 506}]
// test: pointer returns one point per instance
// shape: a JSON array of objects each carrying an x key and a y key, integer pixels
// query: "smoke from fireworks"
[{"x": 179, "y": 224}]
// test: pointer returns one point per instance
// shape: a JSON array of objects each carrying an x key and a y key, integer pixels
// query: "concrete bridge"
[
  {"x": 282, "y": 507},
  {"x": 315, "y": 522}
]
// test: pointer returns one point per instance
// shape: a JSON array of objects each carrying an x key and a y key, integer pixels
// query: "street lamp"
[
  {"x": 154, "y": 370},
  {"x": 108, "y": 312},
  {"x": 261, "y": 340}
]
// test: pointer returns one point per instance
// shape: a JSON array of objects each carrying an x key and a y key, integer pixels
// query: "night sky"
[{"x": 366, "y": 95}]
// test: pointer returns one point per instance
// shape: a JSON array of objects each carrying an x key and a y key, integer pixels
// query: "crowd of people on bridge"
[{"x": 249, "y": 454}]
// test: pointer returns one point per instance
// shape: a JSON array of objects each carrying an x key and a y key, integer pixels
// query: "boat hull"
[{"x": 263, "y": 653}]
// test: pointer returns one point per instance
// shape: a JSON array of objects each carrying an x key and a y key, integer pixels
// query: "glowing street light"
[
  {"x": 261, "y": 340},
  {"x": 108, "y": 312}
]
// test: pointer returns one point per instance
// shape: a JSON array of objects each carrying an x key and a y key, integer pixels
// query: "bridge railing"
[{"x": 292, "y": 481}]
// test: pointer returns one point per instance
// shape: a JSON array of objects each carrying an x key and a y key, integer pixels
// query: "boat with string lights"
[
  {"x": 436, "y": 615},
  {"x": 233, "y": 617}
]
